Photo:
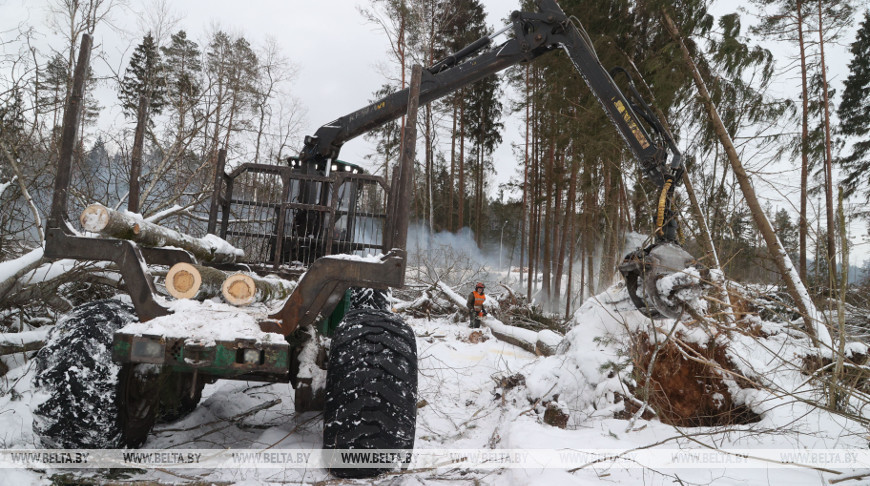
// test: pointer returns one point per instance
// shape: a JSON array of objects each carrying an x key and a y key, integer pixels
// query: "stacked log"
[
  {"x": 244, "y": 289},
  {"x": 186, "y": 281},
  {"x": 97, "y": 218}
]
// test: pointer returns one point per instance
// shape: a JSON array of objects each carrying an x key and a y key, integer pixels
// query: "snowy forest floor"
[{"x": 467, "y": 401}]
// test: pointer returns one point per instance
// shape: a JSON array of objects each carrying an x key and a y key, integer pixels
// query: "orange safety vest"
[{"x": 478, "y": 300}]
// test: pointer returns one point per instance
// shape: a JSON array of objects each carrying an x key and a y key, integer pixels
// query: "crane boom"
[{"x": 536, "y": 34}]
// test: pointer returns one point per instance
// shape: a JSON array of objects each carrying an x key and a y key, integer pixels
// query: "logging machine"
[{"x": 305, "y": 228}]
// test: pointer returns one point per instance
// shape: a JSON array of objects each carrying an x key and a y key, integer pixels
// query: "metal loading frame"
[{"x": 323, "y": 286}]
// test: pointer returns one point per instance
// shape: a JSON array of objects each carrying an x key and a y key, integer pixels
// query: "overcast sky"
[{"x": 339, "y": 57}]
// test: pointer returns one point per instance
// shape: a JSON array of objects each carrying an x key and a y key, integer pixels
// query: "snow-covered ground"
[{"x": 471, "y": 398}]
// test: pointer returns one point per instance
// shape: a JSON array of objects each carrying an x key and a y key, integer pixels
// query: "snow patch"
[
  {"x": 207, "y": 321},
  {"x": 11, "y": 268}
]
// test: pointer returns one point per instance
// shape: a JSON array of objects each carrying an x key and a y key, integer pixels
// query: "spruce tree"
[
  {"x": 144, "y": 77},
  {"x": 182, "y": 59},
  {"x": 854, "y": 112}
]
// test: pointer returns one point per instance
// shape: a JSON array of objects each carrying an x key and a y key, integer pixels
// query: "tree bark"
[
  {"x": 834, "y": 396},
  {"x": 244, "y": 289},
  {"x": 548, "y": 219},
  {"x": 97, "y": 218},
  {"x": 525, "y": 183},
  {"x": 461, "y": 215},
  {"x": 451, "y": 187},
  {"x": 829, "y": 184},
  {"x": 803, "y": 230},
  {"x": 136, "y": 154}
]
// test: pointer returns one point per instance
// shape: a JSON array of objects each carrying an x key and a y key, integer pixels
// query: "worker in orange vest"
[{"x": 475, "y": 305}]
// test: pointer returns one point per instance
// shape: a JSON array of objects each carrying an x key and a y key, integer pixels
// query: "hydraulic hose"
[{"x": 663, "y": 203}]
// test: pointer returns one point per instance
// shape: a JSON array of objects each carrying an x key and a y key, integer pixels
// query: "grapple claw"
[{"x": 666, "y": 276}]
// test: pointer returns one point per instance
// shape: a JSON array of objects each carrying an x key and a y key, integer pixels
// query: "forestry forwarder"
[{"x": 294, "y": 221}]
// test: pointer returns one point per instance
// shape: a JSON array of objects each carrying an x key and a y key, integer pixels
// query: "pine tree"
[
  {"x": 145, "y": 76},
  {"x": 386, "y": 137},
  {"x": 484, "y": 114},
  {"x": 854, "y": 112}
]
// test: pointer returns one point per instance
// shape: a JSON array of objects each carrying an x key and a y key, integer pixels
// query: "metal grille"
[{"x": 287, "y": 217}]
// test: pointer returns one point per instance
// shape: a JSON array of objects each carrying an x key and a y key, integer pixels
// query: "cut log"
[
  {"x": 244, "y": 289},
  {"x": 186, "y": 281},
  {"x": 97, "y": 218}
]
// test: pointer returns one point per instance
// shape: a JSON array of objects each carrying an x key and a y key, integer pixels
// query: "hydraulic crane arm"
[{"x": 535, "y": 34}]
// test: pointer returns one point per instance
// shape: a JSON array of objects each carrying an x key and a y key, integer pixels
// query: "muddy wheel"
[
  {"x": 371, "y": 386},
  {"x": 138, "y": 402},
  {"x": 76, "y": 371}
]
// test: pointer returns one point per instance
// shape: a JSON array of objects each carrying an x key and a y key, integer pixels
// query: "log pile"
[{"x": 186, "y": 281}]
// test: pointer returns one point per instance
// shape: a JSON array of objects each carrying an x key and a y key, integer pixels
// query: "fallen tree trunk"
[
  {"x": 186, "y": 281},
  {"x": 12, "y": 270},
  {"x": 97, "y": 218},
  {"x": 20, "y": 342},
  {"x": 804, "y": 304},
  {"x": 244, "y": 289},
  {"x": 543, "y": 343}
]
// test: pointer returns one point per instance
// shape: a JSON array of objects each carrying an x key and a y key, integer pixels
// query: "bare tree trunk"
[
  {"x": 573, "y": 241},
  {"x": 461, "y": 216},
  {"x": 451, "y": 187},
  {"x": 817, "y": 332},
  {"x": 829, "y": 183},
  {"x": 525, "y": 183},
  {"x": 136, "y": 154},
  {"x": 567, "y": 227},
  {"x": 534, "y": 218},
  {"x": 805, "y": 135},
  {"x": 611, "y": 229},
  {"x": 547, "y": 261},
  {"x": 430, "y": 166},
  {"x": 834, "y": 395}
]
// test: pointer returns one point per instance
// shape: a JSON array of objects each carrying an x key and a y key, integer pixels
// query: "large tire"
[
  {"x": 371, "y": 386},
  {"x": 367, "y": 298},
  {"x": 175, "y": 395},
  {"x": 138, "y": 402},
  {"x": 76, "y": 370}
]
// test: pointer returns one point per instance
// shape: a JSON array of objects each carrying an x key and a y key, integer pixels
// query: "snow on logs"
[
  {"x": 542, "y": 343},
  {"x": 97, "y": 218}
]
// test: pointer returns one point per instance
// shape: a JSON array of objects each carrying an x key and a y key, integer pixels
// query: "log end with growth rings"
[
  {"x": 239, "y": 289},
  {"x": 183, "y": 281},
  {"x": 95, "y": 218}
]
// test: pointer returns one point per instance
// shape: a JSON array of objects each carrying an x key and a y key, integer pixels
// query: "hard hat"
[{"x": 480, "y": 285}]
